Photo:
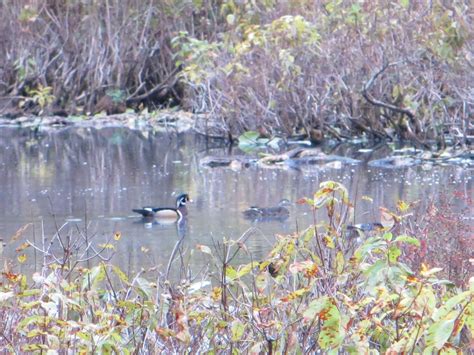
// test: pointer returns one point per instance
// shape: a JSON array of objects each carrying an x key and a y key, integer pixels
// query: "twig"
[{"x": 375, "y": 102}]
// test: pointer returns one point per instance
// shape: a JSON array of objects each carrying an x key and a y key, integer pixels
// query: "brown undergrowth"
[{"x": 387, "y": 70}]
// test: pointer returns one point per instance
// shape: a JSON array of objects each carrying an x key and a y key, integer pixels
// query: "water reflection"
[{"x": 93, "y": 178}]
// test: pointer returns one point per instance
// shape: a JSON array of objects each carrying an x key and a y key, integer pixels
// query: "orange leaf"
[
  {"x": 19, "y": 232},
  {"x": 22, "y": 247}
]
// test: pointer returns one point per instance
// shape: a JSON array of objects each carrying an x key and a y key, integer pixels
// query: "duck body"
[
  {"x": 166, "y": 214},
  {"x": 362, "y": 230},
  {"x": 366, "y": 227},
  {"x": 263, "y": 213}
]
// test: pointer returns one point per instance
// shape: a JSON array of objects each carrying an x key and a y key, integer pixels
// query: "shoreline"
[{"x": 178, "y": 121}]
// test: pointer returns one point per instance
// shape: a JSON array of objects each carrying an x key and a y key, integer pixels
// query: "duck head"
[{"x": 182, "y": 199}]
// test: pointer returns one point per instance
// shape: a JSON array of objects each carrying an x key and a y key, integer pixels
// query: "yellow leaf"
[
  {"x": 329, "y": 242},
  {"x": 22, "y": 258},
  {"x": 403, "y": 206},
  {"x": 216, "y": 294},
  {"x": 107, "y": 246},
  {"x": 367, "y": 198},
  {"x": 117, "y": 235},
  {"x": 339, "y": 262}
]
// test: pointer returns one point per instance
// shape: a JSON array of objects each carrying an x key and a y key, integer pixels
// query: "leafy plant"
[
  {"x": 251, "y": 140},
  {"x": 117, "y": 95},
  {"x": 317, "y": 290},
  {"x": 42, "y": 96}
]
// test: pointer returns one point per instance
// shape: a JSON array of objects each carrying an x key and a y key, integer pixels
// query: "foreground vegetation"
[
  {"x": 326, "y": 287},
  {"x": 333, "y": 69}
]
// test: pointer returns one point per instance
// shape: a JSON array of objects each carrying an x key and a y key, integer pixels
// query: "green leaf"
[
  {"x": 439, "y": 333},
  {"x": 431, "y": 271},
  {"x": 314, "y": 308},
  {"x": 468, "y": 318},
  {"x": 332, "y": 333},
  {"x": 261, "y": 280},
  {"x": 428, "y": 299},
  {"x": 237, "y": 330},
  {"x": 407, "y": 239},
  {"x": 405, "y": 3},
  {"x": 339, "y": 262},
  {"x": 244, "y": 270},
  {"x": 374, "y": 273},
  {"x": 249, "y": 141},
  {"x": 94, "y": 277},
  {"x": 230, "y": 273},
  {"x": 454, "y": 301},
  {"x": 144, "y": 287},
  {"x": 122, "y": 276},
  {"x": 307, "y": 235},
  {"x": 387, "y": 236},
  {"x": 230, "y": 19},
  {"x": 393, "y": 254},
  {"x": 32, "y": 320},
  {"x": 369, "y": 245},
  {"x": 329, "y": 241},
  {"x": 34, "y": 347},
  {"x": 29, "y": 305}
]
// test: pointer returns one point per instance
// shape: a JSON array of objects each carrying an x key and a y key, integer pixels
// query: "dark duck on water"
[
  {"x": 166, "y": 214},
  {"x": 263, "y": 213}
]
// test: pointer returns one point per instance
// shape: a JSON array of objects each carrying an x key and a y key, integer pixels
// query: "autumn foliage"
[{"x": 318, "y": 289}]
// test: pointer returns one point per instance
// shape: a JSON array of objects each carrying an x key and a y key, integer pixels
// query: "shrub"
[
  {"x": 316, "y": 290},
  {"x": 387, "y": 70}
]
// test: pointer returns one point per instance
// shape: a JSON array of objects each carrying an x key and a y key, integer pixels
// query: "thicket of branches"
[
  {"x": 69, "y": 54},
  {"x": 387, "y": 69}
]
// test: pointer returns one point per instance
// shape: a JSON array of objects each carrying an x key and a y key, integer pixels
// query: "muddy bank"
[
  {"x": 179, "y": 121},
  {"x": 162, "y": 121}
]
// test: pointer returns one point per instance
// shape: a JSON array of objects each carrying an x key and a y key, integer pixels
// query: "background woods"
[{"x": 322, "y": 68}]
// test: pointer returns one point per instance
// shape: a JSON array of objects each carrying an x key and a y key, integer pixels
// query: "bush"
[
  {"x": 388, "y": 70},
  {"x": 83, "y": 49},
  {"x": 397, "y": 70},
  {"x": 317, "y": 290}
]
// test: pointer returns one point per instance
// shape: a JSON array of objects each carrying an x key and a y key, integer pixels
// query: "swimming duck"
[
  {"x": 366, "y": 227},
  {"x": 275, "y": 212},
  {"x": 168, "y": 214},
  {"x": 357, "y": 231}
]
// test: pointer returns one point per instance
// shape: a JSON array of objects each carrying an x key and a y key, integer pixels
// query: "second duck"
[{"x": 279, "y": 212}]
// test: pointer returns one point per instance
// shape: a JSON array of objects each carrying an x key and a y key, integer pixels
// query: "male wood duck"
[
  {"x": 166, "y": 214},
  {"x": 263, "y": 213}
]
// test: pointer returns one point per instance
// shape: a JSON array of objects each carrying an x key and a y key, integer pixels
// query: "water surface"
[{"x": 94, "y": 177}]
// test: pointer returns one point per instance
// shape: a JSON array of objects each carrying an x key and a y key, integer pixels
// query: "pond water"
[{"x": 94, "y": 177}]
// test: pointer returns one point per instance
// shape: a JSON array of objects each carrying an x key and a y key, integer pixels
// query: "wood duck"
[
  {"x": 366, "y": 227},
  {"x": 357, "y": 231},
  {"x": 166, "y": 214},
  {"x": 262, "y": 213}
]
